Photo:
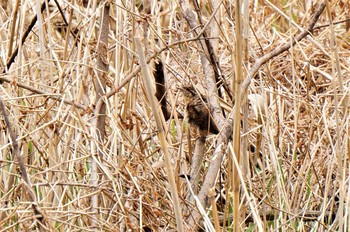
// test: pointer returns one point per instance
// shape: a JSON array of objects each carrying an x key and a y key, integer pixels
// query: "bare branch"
[
  {"x": 99, "y": 121},
  {"x": 27, "y": 183},
  {"x": 23, "y": 39},
  {"x": 215, "y": 109},
  {"x": 282, "y": 48}
]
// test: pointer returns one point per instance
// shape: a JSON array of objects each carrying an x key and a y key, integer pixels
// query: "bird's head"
[{"x": 188, "y": 91}]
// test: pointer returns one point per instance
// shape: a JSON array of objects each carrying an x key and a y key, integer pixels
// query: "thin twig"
[{"x": 334, "y": 23}]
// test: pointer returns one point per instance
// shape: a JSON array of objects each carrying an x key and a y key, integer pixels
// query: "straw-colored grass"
[{"x": 83, "y": 147}]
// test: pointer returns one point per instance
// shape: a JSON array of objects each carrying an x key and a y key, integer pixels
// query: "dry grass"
[{"x": 297, "y": 182}]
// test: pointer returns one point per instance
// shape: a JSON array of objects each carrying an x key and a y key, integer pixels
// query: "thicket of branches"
[{"x": 86, "y": 145}]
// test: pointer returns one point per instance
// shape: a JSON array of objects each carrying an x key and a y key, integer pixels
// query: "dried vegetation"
[{"x": 80, "y": 149}]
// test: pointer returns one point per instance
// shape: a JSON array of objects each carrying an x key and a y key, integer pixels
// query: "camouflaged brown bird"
[{"x": 197, "y": 110}]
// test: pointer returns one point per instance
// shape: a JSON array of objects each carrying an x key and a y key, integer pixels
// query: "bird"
[{"x": 197, "y": 111}]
